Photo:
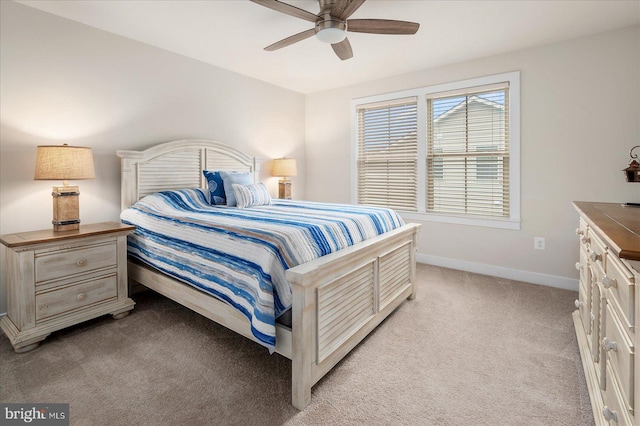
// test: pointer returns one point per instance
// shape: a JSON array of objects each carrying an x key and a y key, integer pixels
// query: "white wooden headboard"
[{"x": 177, "y": 165}]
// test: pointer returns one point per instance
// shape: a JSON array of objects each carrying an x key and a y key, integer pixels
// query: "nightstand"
[{"x": 58, "y": 279}]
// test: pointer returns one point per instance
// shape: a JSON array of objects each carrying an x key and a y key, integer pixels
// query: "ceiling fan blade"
[
  {"x": 382, "y": 26},
  {"x": 288, "y": 9},
  {"x": 343, "y": 49},
  {"x": 290, "y": 40},
  {"x": 342, "y": 9}
]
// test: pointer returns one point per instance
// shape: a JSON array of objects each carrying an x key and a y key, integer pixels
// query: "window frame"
[{"x": 513, "y": 221}]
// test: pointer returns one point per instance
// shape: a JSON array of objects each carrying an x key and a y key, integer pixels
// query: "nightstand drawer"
[
  {"x": 58, "y": 264},
  {"x": 70, "y": 298}
]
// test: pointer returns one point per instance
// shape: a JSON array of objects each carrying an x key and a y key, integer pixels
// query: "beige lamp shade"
[
  {"x": 64, "y": 162},
  {"x": 284, "y": 167}
]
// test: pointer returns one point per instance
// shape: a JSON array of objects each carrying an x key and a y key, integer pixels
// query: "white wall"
[
  {"x": 64, "y": 82},
  {"x": 580, "y": 116}
]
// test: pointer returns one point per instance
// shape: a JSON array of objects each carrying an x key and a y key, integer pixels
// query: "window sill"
[{"x": 486, "y": 222}]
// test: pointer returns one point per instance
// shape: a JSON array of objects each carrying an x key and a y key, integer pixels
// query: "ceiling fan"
[{"x": 332, "y": 23}]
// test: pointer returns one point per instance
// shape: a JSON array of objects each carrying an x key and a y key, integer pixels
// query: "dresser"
[
  {"x": 608, "y": 307},
  {"x": 58, "y": 279}
]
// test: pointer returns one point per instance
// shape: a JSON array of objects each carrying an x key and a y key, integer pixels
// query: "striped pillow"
[{"x": 255, "y": 194}]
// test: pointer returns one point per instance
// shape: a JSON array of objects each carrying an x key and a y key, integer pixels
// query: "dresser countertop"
[{"x": 617, "y": 224}]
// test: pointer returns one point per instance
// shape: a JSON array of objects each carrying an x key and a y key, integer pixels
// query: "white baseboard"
[{"x": 499, "y": 271}]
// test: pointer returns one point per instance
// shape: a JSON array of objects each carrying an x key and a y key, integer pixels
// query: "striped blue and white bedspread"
[{"x": 241, "y": 255}]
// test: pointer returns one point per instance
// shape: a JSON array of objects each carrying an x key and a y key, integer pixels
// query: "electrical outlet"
[{"x": 538, "y": 243}]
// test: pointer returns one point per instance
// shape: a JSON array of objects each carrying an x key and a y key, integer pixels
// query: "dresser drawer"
[
  {"x": 597, "y": 250},
  {"x": 583, "y": 268},
  {"x": 73, "y": 297},
  {"x": 614, "y": 411},
  {"x": 596, "y": 314},
  {"x": 583, "y": 234},
  {"x": 584, "y": 307},
  {"x": 62, "y": 263},
  {"x": 620, "y": 354},
  {"x": 619, "y": 282}
]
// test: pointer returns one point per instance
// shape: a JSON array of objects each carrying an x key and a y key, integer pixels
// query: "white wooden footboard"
[{"x": 340, "y": 298}]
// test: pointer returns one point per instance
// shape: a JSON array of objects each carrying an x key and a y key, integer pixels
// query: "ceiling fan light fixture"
[
  {"x": 331, "y": 32},
  {"x": 331, "y": 35}
]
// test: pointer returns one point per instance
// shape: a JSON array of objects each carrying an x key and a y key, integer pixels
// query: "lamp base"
[
  {"x": 66, "y": 208},
  {"x": 284, "y": 189}
]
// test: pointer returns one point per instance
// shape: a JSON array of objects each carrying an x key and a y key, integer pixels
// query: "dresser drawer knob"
[
  {"x": 578, "y": 303},
  {"x": 81, "y": 296},
  {"x": 609, "y": 282},
  {"x": 81, "y": 262},
  {"x": 609, "y": 415},
  {"x": 609, "y": 345},
  {"x": 578, "y": 266},
  {"x": 595, "y": 256},
  {"x": 585, "y": 240},
  {"x": 579, "y": 231}
]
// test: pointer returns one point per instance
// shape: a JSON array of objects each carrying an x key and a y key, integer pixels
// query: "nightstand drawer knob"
[
  {"x": 81, "y": 262},
  {"x": 595, "y": 256},
  {"x": 81, "y": 296},
  {"x": 578, "y": 303}
]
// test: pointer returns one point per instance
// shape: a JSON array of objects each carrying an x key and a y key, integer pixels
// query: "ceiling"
[{"x": 232, "y": 34}]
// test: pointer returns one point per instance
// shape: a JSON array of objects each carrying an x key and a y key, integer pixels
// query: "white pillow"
[{"x": 255, "y": 194}]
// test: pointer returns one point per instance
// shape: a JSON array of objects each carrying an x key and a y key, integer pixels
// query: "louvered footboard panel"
[
  {"x": 344, "y": 305},
  {"x": 395, "y": 273}
]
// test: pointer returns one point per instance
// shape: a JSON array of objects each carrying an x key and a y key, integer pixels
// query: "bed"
[{"x": 336, "y": 299}]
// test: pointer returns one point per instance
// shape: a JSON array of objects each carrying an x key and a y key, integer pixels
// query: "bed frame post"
[
  {"x": 302, "y": 345},
  {"x": 414, "y": 249}
]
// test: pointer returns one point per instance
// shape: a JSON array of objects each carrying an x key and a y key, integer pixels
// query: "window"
[
  {"x": 467, "y": 150},
  {"x": 388, "y": 154},
  {"x": 447, "y": 153}
]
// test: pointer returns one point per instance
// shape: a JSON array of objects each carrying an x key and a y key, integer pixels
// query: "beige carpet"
[{"x": 470, "y": 350}]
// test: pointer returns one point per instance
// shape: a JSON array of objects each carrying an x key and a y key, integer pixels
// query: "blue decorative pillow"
[
  {"x": 228, "y": 179},
  {"x": 255, "y": 194},
  {"x": 216, "y": 188}
]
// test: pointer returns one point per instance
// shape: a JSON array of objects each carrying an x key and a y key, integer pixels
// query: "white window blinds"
[
  {"x": 468, "y": 152},
  {"x": 387, "y": 157}
]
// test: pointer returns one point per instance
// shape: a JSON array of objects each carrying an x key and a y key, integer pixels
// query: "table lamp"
[
  {"x": 285, "y": 168},
  {"x": 64, "y": 163}
]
